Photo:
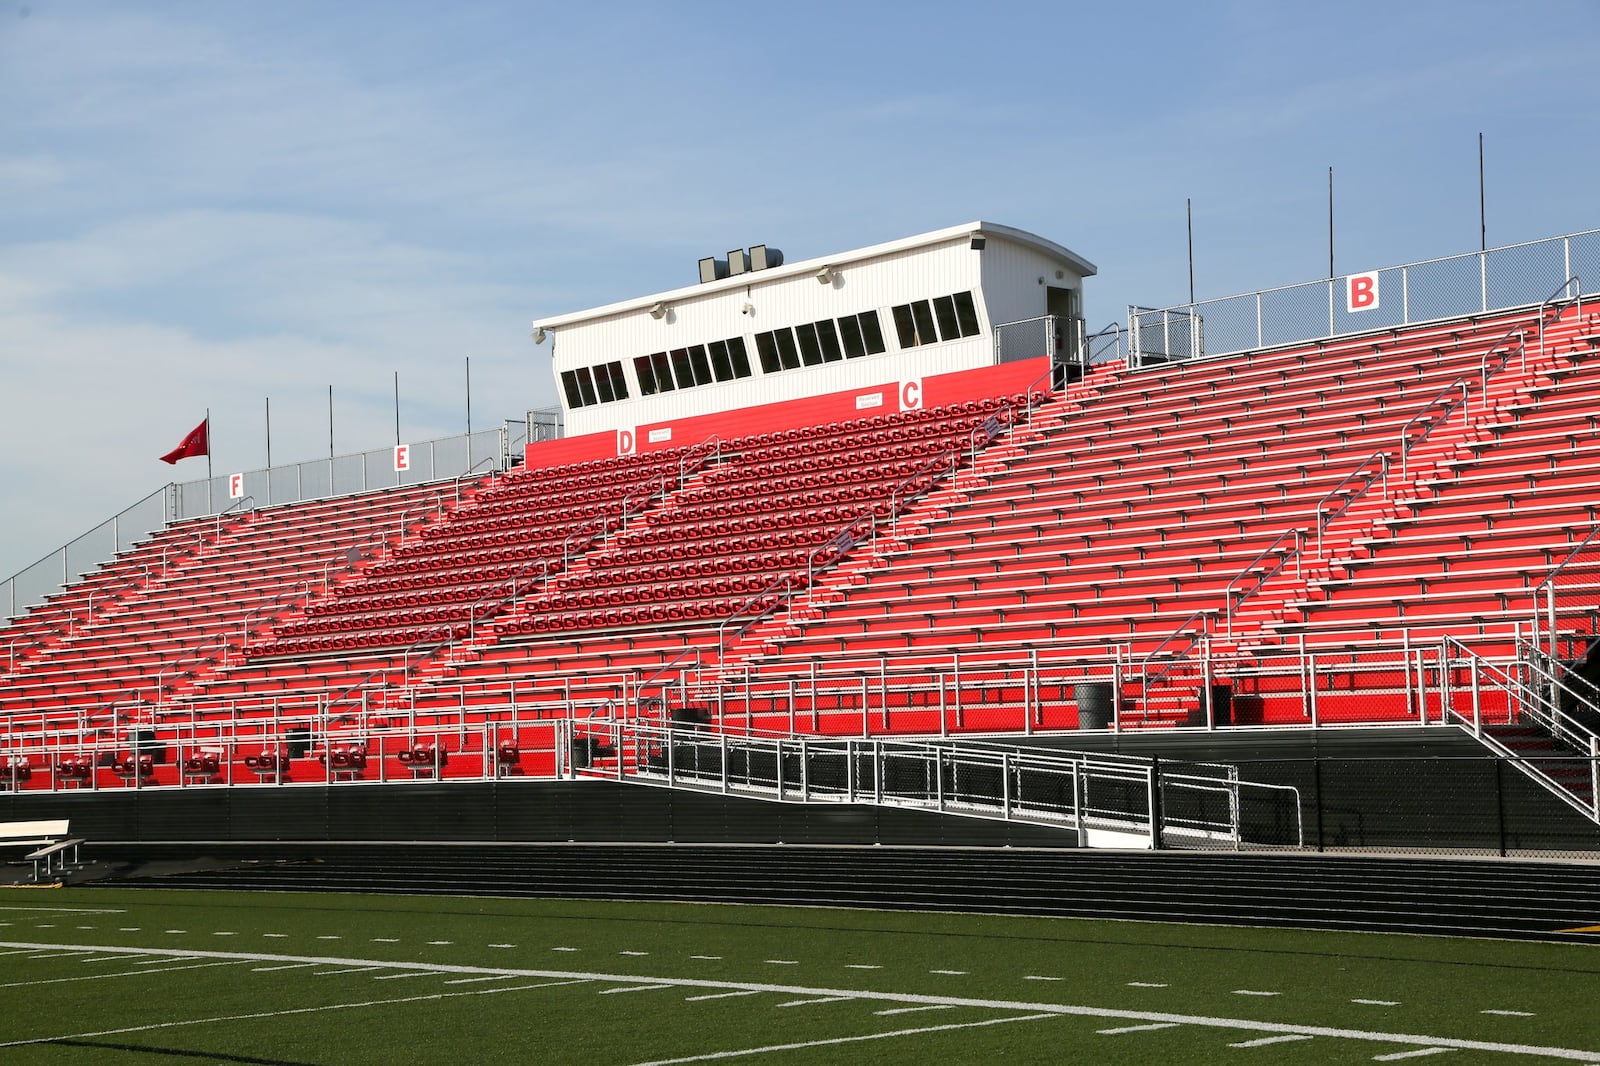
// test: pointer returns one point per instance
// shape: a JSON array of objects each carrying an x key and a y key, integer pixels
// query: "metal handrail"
[
  {"x": 1432, "y": 423},
  {"x": 232, "y": 507},
  {"x": 1572, "y": 285},
  {"x": 1349, "y": 501},
  {"x": 472, "y": 470},
  {"x": 1144, "y": 666},
  {"x": 1298, "y": 536}
]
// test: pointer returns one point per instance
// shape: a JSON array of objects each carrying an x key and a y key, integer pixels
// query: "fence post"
[
  {"x": 1594, "y": 776},
  {"x": 1500, "y": 803}
]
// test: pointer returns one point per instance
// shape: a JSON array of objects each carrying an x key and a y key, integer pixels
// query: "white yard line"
[
  {"x": 1137, "y": 1028},
  {"x": 912, "y": 1010},
  {"x": 1417, "y": 1054},
  {"x": 1150, "y": 984},
  {"x": 1253, "y": 992},
  {"x": 632, "y": 988},
  {"x": 1377, "y": 1002},
  {"x": 431, "y": 998},
  {"x": 770, "y": 1049},
  {"x": 1266, "y": 1040},
  {"x": 1510, "y": 1013},
  {"x": 123, "y": 973},
  {"x": 1423, "y": 1043},
  {"x": 721, "y": 995},
  {"x": 814, "y": 1002}
]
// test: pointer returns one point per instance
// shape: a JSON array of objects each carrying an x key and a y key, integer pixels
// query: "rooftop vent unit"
[{"x": 739, "y": 261}]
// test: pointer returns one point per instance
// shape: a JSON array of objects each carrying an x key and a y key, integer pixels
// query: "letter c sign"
[{"x": 911, "y": 395}]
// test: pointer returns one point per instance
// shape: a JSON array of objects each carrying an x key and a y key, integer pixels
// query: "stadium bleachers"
[{"x": 1329, "y": 496}]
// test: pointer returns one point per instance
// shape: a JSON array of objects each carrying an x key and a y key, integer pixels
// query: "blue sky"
[{"x": 209, "y": 204}]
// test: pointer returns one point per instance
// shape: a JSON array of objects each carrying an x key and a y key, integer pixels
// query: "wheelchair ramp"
[{"x": 1107, "y": 801}]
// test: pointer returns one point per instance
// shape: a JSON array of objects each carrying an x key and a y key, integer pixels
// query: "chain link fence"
[
  {"x": 1497, "y": 279},
  {"x": 343, "y": 475}
]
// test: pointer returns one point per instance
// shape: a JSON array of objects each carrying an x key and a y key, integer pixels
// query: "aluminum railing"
[
  {"x": 1107, "y": 800},
  {"x": 1434, "y": 290}
]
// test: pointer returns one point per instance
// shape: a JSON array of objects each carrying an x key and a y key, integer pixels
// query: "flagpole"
[
  {"x": 269, "y": 436},
  {"x": 208, "y": 443},
  {"x": 469, "y": 413}
]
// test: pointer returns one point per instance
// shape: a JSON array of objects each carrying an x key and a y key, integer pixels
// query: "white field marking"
[
  {"x": 564, "y": 949},
  {"x": 347, "y": 969},
  {"x": 631, "y": 988},
  {"x": 44, "y": 925},
  {"x": 502, "y": 945},
  {"x": 1510, "y": 1013},
  {"x": 951, "y": 973},
  {"x": 1378, "y": 1002},
  {"x": 1153, "y": 984},
  {"x": 124, "y": 929},
  {"x": 69, "y": 910},
  {"x": 1041, "y": 977},
  {"x": 224, "y": 934},
  {"x": 432, "y": 997},
  {"x": 1137, "y": 1028},
  {"x": 403, "y": 976},
  {"x": 743, "y": 1052},
  {"x": 781, "y": 962},
  {"x": 86, "y": 927},
  {"x": 478, "y": 980},
  {"x": 861, "y": 966},
  {"x": 274, "y": 969},
  {"x": 706, "y": 958},
  {"x": 1040, "y": 1009},
  {"x": 438, "y": 943},
  {"x": 276, "y": 936},
  {"x": 638, "y": 953},
  {"x": 912, "y": 1010},
  {"x": 177, "y": 930},
  {"x": 1265, "y": 1040},
  {"x": 329, "y": 936},
  {"x": 814, "y": 1002},
  {"x": 108, "y": 958},
  {"x": 109, "y": 976},
  {"x": 1411, "y": 1054},
  {"x": 16, "y": 951},
  {"x": 163, "y": 962},
  {"x": 57, "y": 955},
  {"x": 721, "y": 995},
  {"x": 375, "y": 940},
  {"x": 1253, "y": 992}
]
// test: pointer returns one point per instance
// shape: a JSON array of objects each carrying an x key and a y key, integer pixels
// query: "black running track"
[{"x": 1496, "y": 898}]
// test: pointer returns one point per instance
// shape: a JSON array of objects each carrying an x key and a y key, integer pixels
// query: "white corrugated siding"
[{"x": 1002, "y": 278}]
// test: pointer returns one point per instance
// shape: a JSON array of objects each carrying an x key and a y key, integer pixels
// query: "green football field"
[{"x": 141, "y": 976}]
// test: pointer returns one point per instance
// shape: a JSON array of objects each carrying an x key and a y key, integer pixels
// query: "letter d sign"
[
  {"x": 1361, "y": 292},
  {"x": 625, "y": 441}
]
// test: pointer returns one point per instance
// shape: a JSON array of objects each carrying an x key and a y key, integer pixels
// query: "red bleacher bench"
[
  {"x": 507, "y": 759},
  {"x": 15, "y": 772},
  {"x": 269, "y": 764},
  {"x": 203, "y": 764},
  {"x": 135, "y": 769},
  {"x": 424, "y": 760}
]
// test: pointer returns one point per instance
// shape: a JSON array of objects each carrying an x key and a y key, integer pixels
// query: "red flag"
[{"x": 196, "y": 443}]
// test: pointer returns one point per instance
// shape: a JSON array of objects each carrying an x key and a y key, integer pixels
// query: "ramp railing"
[{"x": 1106, "y": 800}]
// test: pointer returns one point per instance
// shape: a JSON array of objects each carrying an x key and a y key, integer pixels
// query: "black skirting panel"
[{"x": 500, "y": 811}]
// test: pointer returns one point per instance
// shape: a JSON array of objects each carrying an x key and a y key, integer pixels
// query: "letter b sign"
[{"x": 1361, "y": 292}]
